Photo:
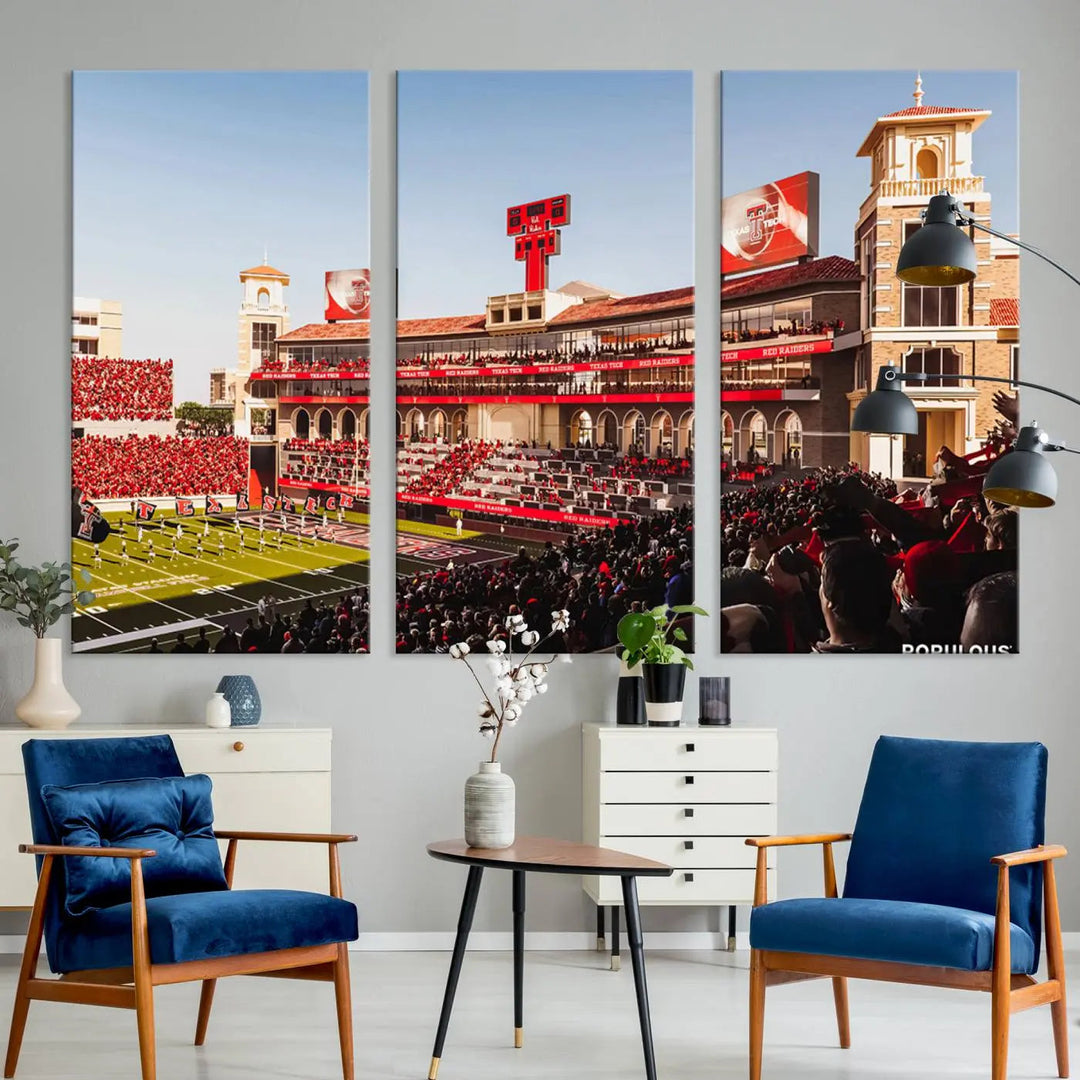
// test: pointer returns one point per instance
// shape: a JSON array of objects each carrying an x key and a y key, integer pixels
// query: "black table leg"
[
  {"x": 637, "y": 958},
  {"x": 731, "y": 928},
  {"x": 616, "y": 962},
  {"x": 468, "y": 907},
  {"x": 601, "y": 943},
  {"x": 519, "y": 955}
]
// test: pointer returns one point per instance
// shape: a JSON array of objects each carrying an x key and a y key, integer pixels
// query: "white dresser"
[
  {"x": 687, "y": 796},
  {"x": 266, "y": 778}
]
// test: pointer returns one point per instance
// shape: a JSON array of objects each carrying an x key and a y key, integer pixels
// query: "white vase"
[
  {"x": 489, "y": 808},
  {"x": 218, "y": 711},
  {"x": 48, "y": 704}
]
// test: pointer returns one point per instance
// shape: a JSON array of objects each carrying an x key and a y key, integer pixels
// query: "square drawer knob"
[
  {"x": 688, "y": 812},
  {"x": 688, "y": 845},
  {"x": 688, "y": 779},
  {"x": 689, "y": 747},
  {"x": 688, "y": 877}
]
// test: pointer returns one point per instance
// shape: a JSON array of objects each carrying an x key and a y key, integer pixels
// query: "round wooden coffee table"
[{"x": 545, "y": 856}]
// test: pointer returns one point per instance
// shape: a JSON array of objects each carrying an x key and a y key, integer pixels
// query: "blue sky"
[
  {"x": 181, "y": 178},
  {"x": 470, "y": 144},
  {"x": 776, "y": 123}
]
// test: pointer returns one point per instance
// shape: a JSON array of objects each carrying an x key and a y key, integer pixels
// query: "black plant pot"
[
  {"x": 630, "y": 702},
  {"x": 664, "y": 685}
]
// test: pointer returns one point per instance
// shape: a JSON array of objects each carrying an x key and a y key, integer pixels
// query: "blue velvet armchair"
[
  {"x": 947, "y": 879},
  {"x": 132, "y": 892}
]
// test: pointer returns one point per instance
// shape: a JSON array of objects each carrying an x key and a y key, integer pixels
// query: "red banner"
[
  {"x": 317, "y": 485},
  {"x": 776, "y": 352},
  {"x": 488, "y": 506},
  {"x": 771, "y": 224},
  {"x": 298, "y": 399},
  {"x": 751, "y": 395},
  {"x": 678, "y": 360},
  {"x": 348, "y": 294},
  {"x": 543, "y": 399}
]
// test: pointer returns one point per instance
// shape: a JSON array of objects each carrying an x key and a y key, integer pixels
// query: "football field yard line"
[{"x": 140, "y": 635}]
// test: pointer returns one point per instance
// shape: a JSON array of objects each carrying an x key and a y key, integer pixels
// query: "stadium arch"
[
  {"x": 414, "y": 424},
  {"x": 459, "y": 425},
  {"x": 509, "y": 422},
  {"x": 324, "y": 424},
  {"x": 581, "y": 429},
  {"x": 727, "y": 436},
  {"x": 662, "y": 433},
  {"x": 301, "y": 424},
  {"x": 633, "y": 431},
  {"x": 787, "y": 437},
  {"x": 436, "y": 424},
  {"x": 685, "y": 430},
  {"x": 347, "y": 424},
  {"x": 607, "y": 428},
  {"x": 753, "y": 436},
  {"x": 365, "y": 419}
]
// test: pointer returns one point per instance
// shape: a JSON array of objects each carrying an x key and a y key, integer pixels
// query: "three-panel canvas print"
[{"x": 545, "y": 449}]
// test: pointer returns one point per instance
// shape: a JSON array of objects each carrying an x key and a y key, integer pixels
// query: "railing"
[{"x": 922, "y": 188}]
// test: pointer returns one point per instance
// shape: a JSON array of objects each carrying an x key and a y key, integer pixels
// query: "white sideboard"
[
  {"x": 687, "y": 796},
  {"x": 270, "y": 779}
]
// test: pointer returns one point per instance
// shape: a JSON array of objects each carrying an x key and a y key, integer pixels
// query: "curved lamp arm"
[
  {"x": 893, "y": 374},
  {"x": 966, "y": 219}
]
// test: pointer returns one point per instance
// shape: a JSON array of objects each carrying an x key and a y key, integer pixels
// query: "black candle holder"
[{"x": 714, "y": 700}]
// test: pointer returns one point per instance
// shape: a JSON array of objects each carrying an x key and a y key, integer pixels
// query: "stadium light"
[
  {"x": 1022, "y": 477},
  {"x": 941, "y": 253}
]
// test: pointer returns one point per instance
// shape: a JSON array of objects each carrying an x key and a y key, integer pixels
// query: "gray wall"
[{"x": 404, "y": 728}]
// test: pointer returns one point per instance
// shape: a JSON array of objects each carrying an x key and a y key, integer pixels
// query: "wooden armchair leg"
[
  {"x": 343, "y": 994},
  {"x": 843, "y": 1025},
  {"x": 144, "y": 986},
  {"x": 206, "y": 1001},
  {"x": 1055, "y": 967},
  {"x": 18, "y": 1026},
  {"x": 757, "y": 1012}
]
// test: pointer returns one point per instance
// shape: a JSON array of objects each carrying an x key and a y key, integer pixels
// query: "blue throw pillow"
[{"x": 171, "y": 815}]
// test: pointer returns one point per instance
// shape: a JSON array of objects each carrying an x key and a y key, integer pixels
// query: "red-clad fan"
[{"x": 104, "y": 389}]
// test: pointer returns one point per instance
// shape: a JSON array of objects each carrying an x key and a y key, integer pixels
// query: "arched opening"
[
  {"x": 926, "y": 164},
  {"x": 436, "y": 426},
  {"x": 414, "y": 424},
  {"x": 324, "y": 424},
  {"x": 727, "y": 437},
  {"x": 263, "y": 299},
  {"x": 347, "y": 425},
  {"x": 581, "y": 429},
  {"x": 685, "y": 446},
  {"x": 661, "y": 432},
  {"x": 607, "y": 429},
  {"x": 753, "y": 437},
  {"x": 459, "y": 425},
  {"x": 400, "y": 424},
  {"x": 301, "y": 424},
  {"x": 633, "y": 432},
  {"x": 510, "y": 423},
  {"x": 365, "y": 420},
  {"x": 787, "y": 439}
]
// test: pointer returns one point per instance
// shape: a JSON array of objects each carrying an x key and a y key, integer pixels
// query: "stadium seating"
[
  {"x": 325, "y": 461},
  {"x": 104, "y": 389},
  {"x": 133, "y": 465}
]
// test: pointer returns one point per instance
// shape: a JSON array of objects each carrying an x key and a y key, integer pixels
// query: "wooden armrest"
[
  {"x": 299, "y": 838},
  {"x": 1042, "y": 853},
  {"x": 100, "y": 852},
  {"x": 791, "y": 841}
]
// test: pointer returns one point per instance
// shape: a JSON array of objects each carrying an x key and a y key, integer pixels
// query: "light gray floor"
[{"x": 580, "y": 1021}]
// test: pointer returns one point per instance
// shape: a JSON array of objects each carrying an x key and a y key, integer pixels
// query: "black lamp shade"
[
  {"x": 1022, "y": 477},
  {"x": 886, "y": 410},
  {"x": 939, "y": 253}
]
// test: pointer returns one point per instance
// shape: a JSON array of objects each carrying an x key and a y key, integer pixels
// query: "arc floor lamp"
[{"x": 942, "y": 253}]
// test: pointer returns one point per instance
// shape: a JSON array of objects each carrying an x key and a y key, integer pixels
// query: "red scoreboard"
[{"x": 535, "y": 228}]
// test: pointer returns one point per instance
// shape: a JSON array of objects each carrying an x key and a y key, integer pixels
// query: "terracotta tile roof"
[
  {"x": 358, "y": 330},
  {"x": 831, "y": 268},
  {"x": 930, "y": 110},
  {"x": 264, "y": 271},
  {"x": 1005, "y": 311},
  {"x": 646, "y": 303},
  {"x": 354, "y": 330}
]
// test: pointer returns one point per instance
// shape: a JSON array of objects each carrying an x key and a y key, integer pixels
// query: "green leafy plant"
[
  {"x": 38, "y": 595},
  {"x": 649, "y": 637}
]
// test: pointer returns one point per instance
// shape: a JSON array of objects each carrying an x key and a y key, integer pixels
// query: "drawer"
[
  {"x": 261, "y": 751},
  {"x": 673, "y": 787},
  {"x": 708, "y": 888},
  {"x": 683, "y": 749},
  {"x": 663, "y": 819},
  {"x": 705, "y": 852}
]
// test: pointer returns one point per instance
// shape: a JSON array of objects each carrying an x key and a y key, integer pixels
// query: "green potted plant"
[
  {"x": 650, "y": 638},
  {"x": 38, "y": 596}
]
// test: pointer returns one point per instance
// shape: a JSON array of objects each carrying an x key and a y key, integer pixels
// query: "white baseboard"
[{"x": 497, "y": 941}]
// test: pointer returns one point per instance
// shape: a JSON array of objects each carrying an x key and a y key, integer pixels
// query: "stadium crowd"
[
  {"x": 450, "y": 470},
  {"x": 358, "y": 366},
  {"x": 593, "y": 383},
  {"x": 598, "y": 575},
  {"x": 328, "y": 461},
  {"x": 582, "y": 354},
  {"x": 126, "y": 466},
  {"x": 794, "y": 329},
  {"x": 104, "y": 389},
  {"x": 839, "y": 561},
  {"x": 340, "y": 626}
]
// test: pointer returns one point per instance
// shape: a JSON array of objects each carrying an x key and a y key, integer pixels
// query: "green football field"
[{"x": 214, "y": 573}]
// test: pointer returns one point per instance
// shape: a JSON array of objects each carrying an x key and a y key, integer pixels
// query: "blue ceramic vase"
[{"x": 243, "y": 699}]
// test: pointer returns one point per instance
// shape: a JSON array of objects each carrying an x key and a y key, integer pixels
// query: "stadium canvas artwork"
[
  {"x": 219, "y": 460},
  {"x": 837, "y": 541},
  {"x": 545, "y": 353}
]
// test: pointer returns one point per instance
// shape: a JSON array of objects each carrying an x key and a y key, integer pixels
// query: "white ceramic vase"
[
  {"x": 489, "y": 807},
  {"x": 218, "y": 711},
  {"x": 48, "y": 704}
]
